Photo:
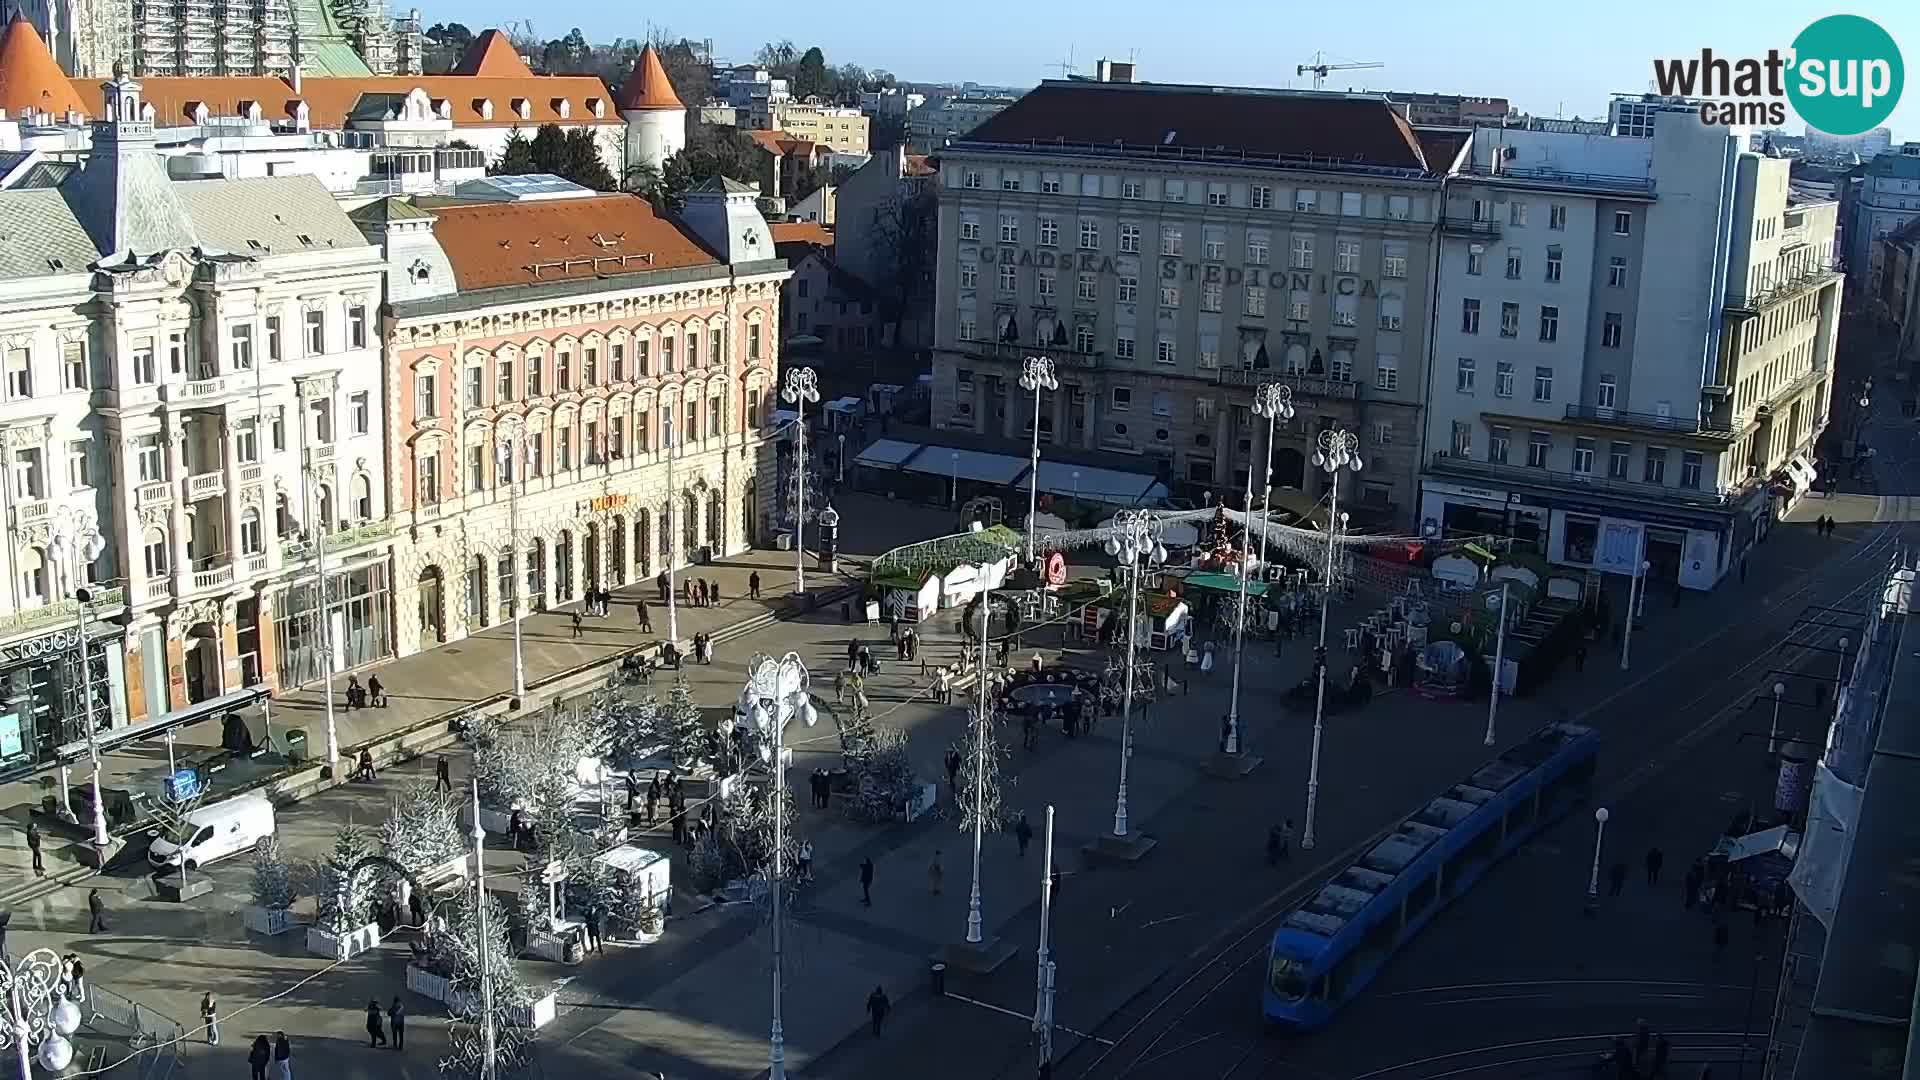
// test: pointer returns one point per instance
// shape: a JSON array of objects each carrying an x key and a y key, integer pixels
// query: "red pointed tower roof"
[
  {"x": 648, "y": 86},
  {"x": 493, "y": 55},
  {"x": 30, "y": 78}
]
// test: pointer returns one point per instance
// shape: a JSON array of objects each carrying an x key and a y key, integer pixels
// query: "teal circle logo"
[{"x": 1846, "y": 76}]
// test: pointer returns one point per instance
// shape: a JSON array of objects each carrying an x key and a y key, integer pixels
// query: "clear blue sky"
[{"x": 1546, "y": 58}]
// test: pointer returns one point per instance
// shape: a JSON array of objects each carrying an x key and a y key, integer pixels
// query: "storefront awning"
[
  {"x": 967, "y": 465},
  {"x": 1112, "y": 486},
  {"x": 887, "y": 454}
]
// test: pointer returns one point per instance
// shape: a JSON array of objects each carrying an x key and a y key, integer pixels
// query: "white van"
[{"x": 214, "y": 832}]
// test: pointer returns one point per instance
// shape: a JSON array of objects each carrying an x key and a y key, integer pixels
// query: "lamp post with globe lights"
[
  {"x": 1275, "y": 402},
  {"x": 1773, "y": 732},
  {"x": 39, "y": 1016},
  {"x": 1339, "y": 449},
  {"x": 777, "y": 691},
  {"x": 801, "y": 387},
  {"x": 1036, "y": 375},
  {"x": 1136, "y": 540},
  {"x": 1593, "y": 878}
]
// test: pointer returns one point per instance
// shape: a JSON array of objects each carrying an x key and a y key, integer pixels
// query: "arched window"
[
  {"x": 362, "y": 497},
  {"x": 477, "y": 591},
  {"x": 155, "y": 545},
  {"x": 33, "y": 577},
  {"x": 537, "y": 571},
  {"x": 324, "y": 519},
  {"x": 690, "y": 523},
  {"x": 643, "y": 542},
  {"x": 252, "y": 540}
]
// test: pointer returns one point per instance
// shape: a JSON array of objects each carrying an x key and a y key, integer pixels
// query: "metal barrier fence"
[{"x": 158, "y": 1041}]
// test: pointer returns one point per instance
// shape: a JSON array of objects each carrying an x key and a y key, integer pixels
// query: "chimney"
[
  {"x": 296, "y": 77},
  {"x": 1116, "y": 71}
]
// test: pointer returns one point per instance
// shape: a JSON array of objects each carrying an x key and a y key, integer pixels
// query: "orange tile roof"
[
  {"x": 331, "y": 101},
  {"x": 801, "y": 232},
  {"x": 648, "y": 87},
  {"x": 919, "y": 165},
  {"x": 492, "y": 54},
  {"x": 769, "y": 140},
  {"x": 494, "y": 244},
  {"x": 30, "y": 78}
]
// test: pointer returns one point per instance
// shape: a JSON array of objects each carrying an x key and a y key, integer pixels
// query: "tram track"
[{"x": 1894, "y": 512}]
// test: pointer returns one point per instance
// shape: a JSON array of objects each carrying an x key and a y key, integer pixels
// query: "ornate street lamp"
[
  {"x": 777, "y": 691},
  {"x": 39, "y": 1016},
  {"x": 1136, "y": 539},
  {"x": 1036, "y": 375},
  {"x": 801, "y": 386},
  {"x": 1339, "y": 449}
]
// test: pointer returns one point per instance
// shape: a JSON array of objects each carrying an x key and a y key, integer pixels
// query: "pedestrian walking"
[
  {"x": 713, "y": 592},
  {"x": 1616, "y": 878},
  {"x": 1691, "y": 888},
  {"x": 377, "y": 691},
  {"x": 442, "y": 775},
  {"x": 79, "y": 973},
  {"x": 258, "y": 1056},
  {"x": 376, "y": 1024},
  {"x": 953, "y": 772},
  {"x": 1720, "y": 936},
  {"x": 210, "y": 1017},
  {"x": 1580, "y": 656},
  {"x": 397, "y": 1022},
  {"x": 878, "y": 1007},
  {"x": 1273, "y": 846},
  {"x": 576, "y": 623},
  {"x": 1286, "y": 840},
  {"x": 1655, "y": 859},
  {"x": 282, "y": 1057},
  {"x": 96, "y": 912},
  {"x": 804, "y": 871},
  {"x": 866, "y": 881},
  {"x": 33, "y": 845},
  {"x": 936, "y": 874},
  {"x": 1022, "y": 834},
  {"x": 1743, "y": 569},
  {"x": 653, "y": 797},
  {"x": 753, "y": 584},
  {"x": 595, "y": 943},
  {"x": 646, "y": 620}
]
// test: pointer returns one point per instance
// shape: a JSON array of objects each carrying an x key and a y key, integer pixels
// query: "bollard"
[{"x": 939, "y": 973}]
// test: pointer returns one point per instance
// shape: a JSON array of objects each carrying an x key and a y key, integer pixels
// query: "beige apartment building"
[
  {"x": 1173, "y": 247},
  {"x": 845, "y": 130}
]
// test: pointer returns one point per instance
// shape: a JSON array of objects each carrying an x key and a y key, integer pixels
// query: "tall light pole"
[
  {"x": 1275, "y": 402},
  {"x": 1137, "y": 539},
  {"x": 309, "y": 476},
  {"x": 1499, "y": 662},
  {"x": 801, "y": 386},
  {"x": 1269, "y": 399},
  {"x": 1043, "y": 993},
  {"x": 778, "y": 692},
  {"x": 1773, "y": 733},
  {"x": 1036, "y": 375},
  {"x": 1639, "y": 583},
  {"x": 84, "y": 598},
  {"x": 673, "y": 537},
  {"x": 1339, "y": 449},
  {"x": 516, "y": 475},
  {"x": 1599, "y": 837},
  {"x": 982, "y": 718},
  {"x": 480, "y": 949}
]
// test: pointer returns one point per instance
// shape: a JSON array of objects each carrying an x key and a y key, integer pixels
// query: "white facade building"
[
  {"x": 1633, "y": 343},
  {"x": 193, "y": 376}
]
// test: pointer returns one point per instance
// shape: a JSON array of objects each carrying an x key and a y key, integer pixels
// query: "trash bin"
[
  {"x": 296, "y": 740},
  {"x": 939, "y": 973}
]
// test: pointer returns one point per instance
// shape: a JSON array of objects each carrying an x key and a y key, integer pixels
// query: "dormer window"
[
  {"x": 442, "y": 108},
  {"x": 302, "y": 118},
  {"x": 147, "y": 112},
  {"x": 197, "y": 112},
  {"x": 483, "y": 106},
  {"x": 250, "y": 109},
  {"x": 523, "y": 108},
  {"x": 563, "y": 107},
  {"x": 598, "y": 107}
]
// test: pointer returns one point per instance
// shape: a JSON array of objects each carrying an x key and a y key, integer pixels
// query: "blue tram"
[{"x": 1327, "y": 949}]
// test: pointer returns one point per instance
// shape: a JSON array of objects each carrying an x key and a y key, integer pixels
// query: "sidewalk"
[{"x": 429, "y": 688}]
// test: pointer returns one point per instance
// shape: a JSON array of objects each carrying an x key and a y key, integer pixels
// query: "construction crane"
[{"x": 1320, "y": 67}]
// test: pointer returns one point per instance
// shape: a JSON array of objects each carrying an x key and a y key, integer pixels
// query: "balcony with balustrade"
[
  {"x": 109, "y": 599},
  {"x": 1304, "y": 385},
  {"x": 1710, "y": 427},
  {"x": 338, "y": 542},
  {"x": 1014, "y": 352},
  {"x": 1810, "y": 278}
]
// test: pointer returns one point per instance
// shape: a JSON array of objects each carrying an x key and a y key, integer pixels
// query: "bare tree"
[{"x": 903, "y": 251}]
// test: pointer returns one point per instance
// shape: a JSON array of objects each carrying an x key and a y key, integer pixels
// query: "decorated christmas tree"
[
  {"x": 681, "y": 723},
  {"x": 344, "y": 899},
  {"x": 883, "y": 780},
  {"x": 456, "y": 954},
  {"x": 422, "y": 829},
  {"x": 272, "y": 877}
]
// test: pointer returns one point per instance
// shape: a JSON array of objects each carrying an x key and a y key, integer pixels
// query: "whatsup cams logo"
[{"x": 1843, "y": 75}]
